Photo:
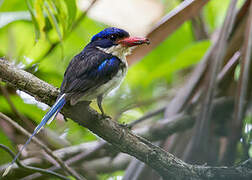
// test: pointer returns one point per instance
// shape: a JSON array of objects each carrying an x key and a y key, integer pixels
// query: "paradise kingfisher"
[{"x": 93, "y": 73}]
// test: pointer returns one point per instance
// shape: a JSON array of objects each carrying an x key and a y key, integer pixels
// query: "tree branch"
[
  {"x": 120, "y": 136},
  {"x": 33, "y": 169},
  {"x": 43, "y": 146}
]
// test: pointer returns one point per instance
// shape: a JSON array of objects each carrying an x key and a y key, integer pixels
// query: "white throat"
[{"x": 119, "y": 51}]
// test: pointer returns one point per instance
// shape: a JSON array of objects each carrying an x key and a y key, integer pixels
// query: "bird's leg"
[{"x": 99, "y": 102}]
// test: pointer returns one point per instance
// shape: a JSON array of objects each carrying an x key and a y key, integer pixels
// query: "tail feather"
[
  {"x": 48, "y": 118},
  {"x": 58, "y": 106}
]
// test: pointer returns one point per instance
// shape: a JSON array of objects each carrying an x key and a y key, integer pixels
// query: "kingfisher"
[{"x": 94, "y": 72}]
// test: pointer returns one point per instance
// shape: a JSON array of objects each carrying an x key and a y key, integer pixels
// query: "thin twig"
[
  {"x": 43, "y": 146},
  {"x": 154, "y": 132},
  {"x": 83, "y": 15},
  {"x": 73, "y": 160},
  {"x": 218, "y": 59},
  {"x": 85, "y": 155},
  {"x": 33, "y": 169},
  {"x": 139, "y": 104},
  {"x": 167, "y": 25},
  {"x": 242, "y": 94},
  {"x": 199, "y": 28},
  {"x": 146, "y": 116},
  {"x": 229, "y": 67},
  {"x": 12, "y": 106},
  {"x": 183, "y": 96},
  {"x": 198, "y": 143}
]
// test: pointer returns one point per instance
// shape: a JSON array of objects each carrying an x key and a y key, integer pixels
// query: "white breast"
[
  {"x": 107, "y": 87},
  {"x": 120, "y": 52},
  {"x": 113, "y": 83}
]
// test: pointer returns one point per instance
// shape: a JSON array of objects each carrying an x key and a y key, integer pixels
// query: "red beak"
[{"x": 133, "y": 41}]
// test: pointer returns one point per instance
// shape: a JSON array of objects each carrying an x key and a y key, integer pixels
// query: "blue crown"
[{"x": 110, "y": 31}]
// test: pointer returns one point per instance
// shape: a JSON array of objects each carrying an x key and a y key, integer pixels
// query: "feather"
[
  {"x": 49, "y": 116},
  {"x": 89, "y": 70}
]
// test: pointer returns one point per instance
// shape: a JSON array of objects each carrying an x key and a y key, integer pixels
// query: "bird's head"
[{"x": 116, "y": 41}]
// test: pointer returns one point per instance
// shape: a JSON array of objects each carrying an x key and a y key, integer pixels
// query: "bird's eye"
[{"x": 113, "y": 37}]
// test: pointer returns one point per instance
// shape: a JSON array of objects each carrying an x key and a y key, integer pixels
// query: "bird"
[{"x": 92, "y": 74}]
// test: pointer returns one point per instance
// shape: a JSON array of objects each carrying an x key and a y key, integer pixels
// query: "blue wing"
[
  {"x": 49, "y": 116},
  {"x": 88, "y": 71},
  {"x": 108, "y": 67}
]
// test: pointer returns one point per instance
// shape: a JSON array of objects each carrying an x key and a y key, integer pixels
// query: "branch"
[
  {"x": 12, "y": 106},
  {"x": 146, "y": 116},
  {"x": 157, "y": 131},
  {"x": 68, "y": 154},
  {"x": 43, "y": 146},
  {"x": 106, "y": 165},
  {"x": 33, "y": 169},
  {"x": 162, "y": 129},
  {"x": 198, "y": 146},
  {"x": 87, "y": 151},
  {"x": 167, "y": 25},
  {"x": 119, "y": 136},
  {"x": 242, "y": 94}
]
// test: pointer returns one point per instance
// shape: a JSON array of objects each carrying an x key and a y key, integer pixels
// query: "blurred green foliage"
[
  {"x": 27, "y": 40},
  {"x": 4, "y": 140}
]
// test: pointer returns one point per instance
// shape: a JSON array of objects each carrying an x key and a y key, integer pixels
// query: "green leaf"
[
  {"x": 187, "y": 57},
  {"x": 71, "y": 8},
  {"x": 5, "y": 157},
  {"x": 49, "y": 9},
  {"x": 214, "y": 13},
  {"x": 29, "y": 110},
  {"x": 190, "y": 55},
  {"x": 38, "y": 4},
  {"x": 75, "y": 130},
  {"x": 142, "y": 73},
  {"x": 17, "y": 38},
  {"x": 237, "y": 72},
  {"x": 1, "y": 2},
  {"x": 62, "y": 14},
  {"x": 36, "y": 25},
  {"x": 12, "y": 5}
]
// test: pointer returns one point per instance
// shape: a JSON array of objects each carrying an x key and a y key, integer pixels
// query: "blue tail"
[{"x": 50, "y": 115}]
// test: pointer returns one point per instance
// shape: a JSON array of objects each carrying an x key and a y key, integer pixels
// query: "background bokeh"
[{"x": 44, "y": 44}]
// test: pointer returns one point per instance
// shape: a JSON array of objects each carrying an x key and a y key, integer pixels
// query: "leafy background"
[{"x": 40, "y": 36}]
